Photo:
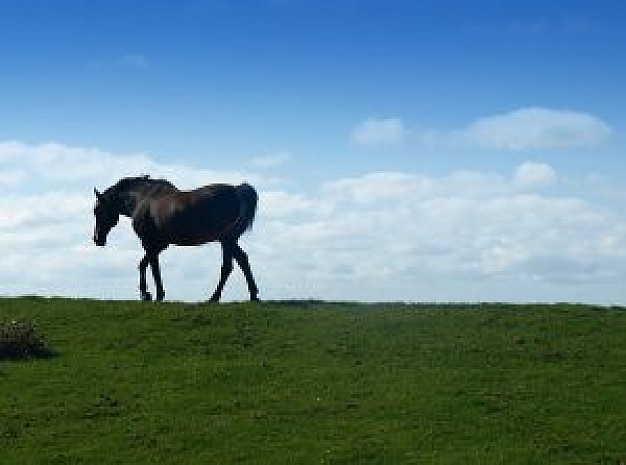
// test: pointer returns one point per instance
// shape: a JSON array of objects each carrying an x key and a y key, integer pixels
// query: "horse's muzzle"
[{"x": 100, "y": 241}]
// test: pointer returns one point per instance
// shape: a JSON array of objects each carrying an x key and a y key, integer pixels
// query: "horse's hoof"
[
  {"x": 160, "y": 297},
  {"x": 146, "y": 296},
  {"x": 254, "y": 298}
]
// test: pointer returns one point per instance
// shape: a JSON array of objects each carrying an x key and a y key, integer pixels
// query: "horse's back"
[{"x": 200, "y": 215}]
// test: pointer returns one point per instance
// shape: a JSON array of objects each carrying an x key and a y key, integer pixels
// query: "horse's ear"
[{"x": 98, "y": 194}]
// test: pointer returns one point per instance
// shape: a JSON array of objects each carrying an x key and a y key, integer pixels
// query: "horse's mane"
[{"x": 132, "y": 182}]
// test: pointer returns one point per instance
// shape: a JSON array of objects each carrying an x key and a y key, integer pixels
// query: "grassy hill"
[{"x": 314, "y": 382}]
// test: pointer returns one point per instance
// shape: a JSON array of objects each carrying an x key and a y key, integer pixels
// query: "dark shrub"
[{"x": 18, "y": 340}]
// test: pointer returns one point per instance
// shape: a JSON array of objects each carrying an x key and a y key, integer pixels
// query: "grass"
[{"x": 315, "y": 382}]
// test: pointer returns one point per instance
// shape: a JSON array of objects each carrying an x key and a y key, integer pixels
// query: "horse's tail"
[{"x": 249, "y": 200}]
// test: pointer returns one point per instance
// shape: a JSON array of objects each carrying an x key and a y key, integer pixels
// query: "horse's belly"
[
  {"x": 191, "y": 230},
  {"x": 194, "y": 239}
]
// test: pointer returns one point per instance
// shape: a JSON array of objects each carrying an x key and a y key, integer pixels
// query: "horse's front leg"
[
  {"x": 156, "y": 274},
  {"x": 143, "y": 287}
]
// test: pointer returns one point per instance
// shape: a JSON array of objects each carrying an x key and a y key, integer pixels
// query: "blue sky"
[
  {"x": 302, "y": 95},
  {"x": 205, "y": 78}
]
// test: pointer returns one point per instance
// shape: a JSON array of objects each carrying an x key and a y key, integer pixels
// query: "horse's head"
[{"x": 107, "y": 215}]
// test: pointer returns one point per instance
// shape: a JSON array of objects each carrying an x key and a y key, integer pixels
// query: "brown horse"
[{"x": 162, "y": 215}]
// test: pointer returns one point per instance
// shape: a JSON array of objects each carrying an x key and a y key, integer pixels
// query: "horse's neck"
[
  {"x": 129, "y": 198},
  {"x": 127, "y": 201}
]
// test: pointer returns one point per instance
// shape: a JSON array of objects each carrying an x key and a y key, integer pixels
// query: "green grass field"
[{"x": 315, "y": 383}]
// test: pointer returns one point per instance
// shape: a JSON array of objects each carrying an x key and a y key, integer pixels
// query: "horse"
[{"x": 162, "y": 216}]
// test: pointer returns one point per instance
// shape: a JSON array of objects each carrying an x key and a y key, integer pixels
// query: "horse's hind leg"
[
  {"x": 227, "y": 268},
  {"x": 244, "y": 264}
]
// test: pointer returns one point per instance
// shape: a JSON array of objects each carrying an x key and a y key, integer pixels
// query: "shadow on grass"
[{"x": 44, "y": 354}]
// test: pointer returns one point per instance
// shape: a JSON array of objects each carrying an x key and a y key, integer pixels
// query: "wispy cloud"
[
  {"x": 125, "y": 61},
  {"x": 271, "y": 160},
  {"x": 133, "y": 60},
  {"x": 378, "y": 131},
  {"x": 518, "y": 130},
  {"x": 537, "y": 128}
]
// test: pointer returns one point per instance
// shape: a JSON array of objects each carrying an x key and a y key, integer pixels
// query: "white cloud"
[
  {"x": 50, "y": 164},
  {"x": 376, "y": 131},
  {"x": 521, "y": 129},
  {"x": 389, "y": 234},
  {"x": 534, "y": 174},
  {"x": 381, "y": 236},
  {"x": 445, "y": 234},
  {"x": 537, "y": 128}
]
